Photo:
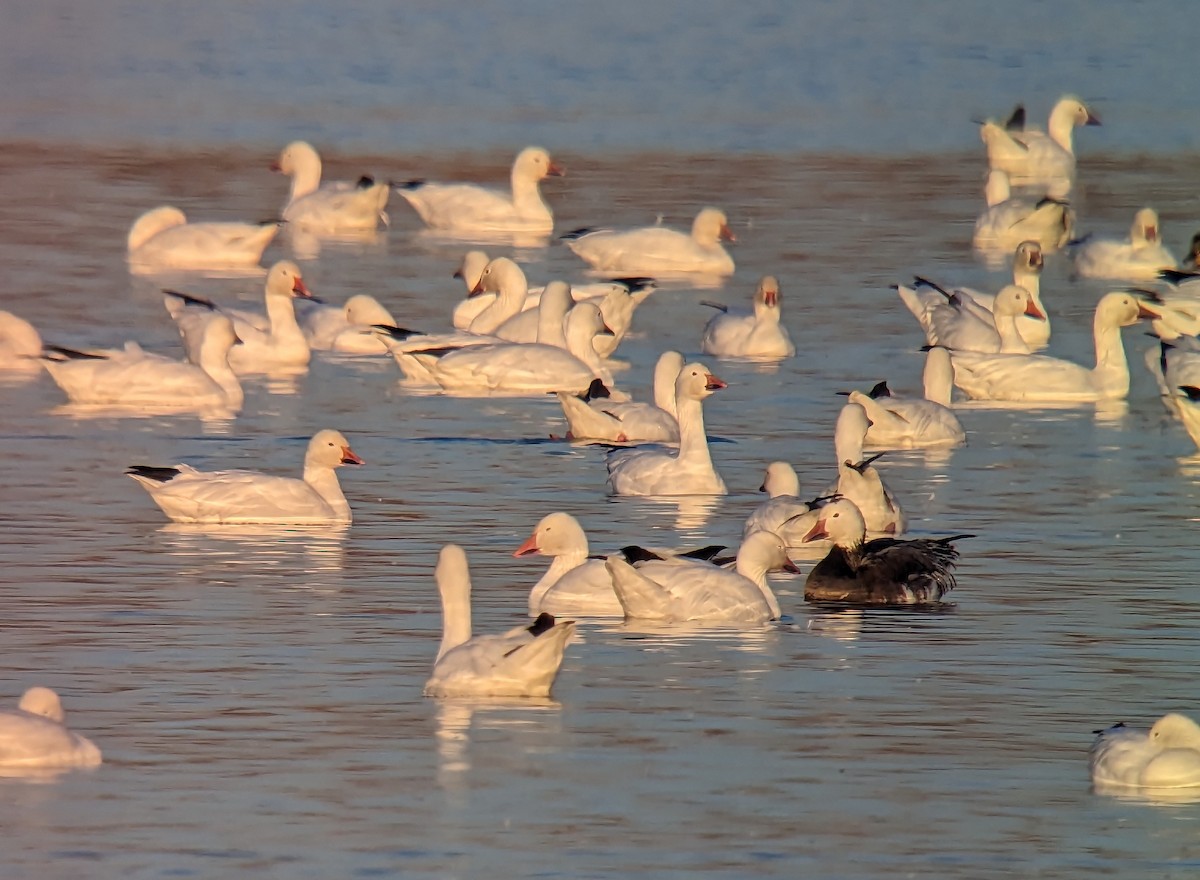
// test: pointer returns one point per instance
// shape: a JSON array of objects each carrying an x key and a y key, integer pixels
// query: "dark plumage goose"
[{"x": 885, "y": 571}]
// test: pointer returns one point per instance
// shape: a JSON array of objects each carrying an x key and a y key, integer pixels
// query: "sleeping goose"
[
  {"x": 522, "y": 662},
  {"x": 654, "y": 250},
  {"x": 186, "y": 494},
  {"x": 1167, "y": 756},
  {"x": 35, "y": 735},
  {"x": 163, "y": 239},
  {"x": 1009, "y": 220}
]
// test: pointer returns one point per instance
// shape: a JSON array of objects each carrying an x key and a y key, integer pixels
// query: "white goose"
[
  {"x": 757, "y": 335},
  {"x": 617, "y": 304},
  {"x": 332, "y": 209},
  {"x": 1138, "y": 258},
  {"x": 134, "y": 378},
  {"x": 522, "y": 662},
  {"x": 960, "y": 324},
  {"x": 662, "y": 472},
  {"x": 282, "y": 344},
  {"x": 1165, "y": 757},
  {"x": 1009, "y": 220},
  {"x": 1044, "y": 158},
  {"x": 346, "y": 329},
  {"x": 163, "y": 239},
  {"x": 597, "y": 417},
  {"x": 653, "y": 250},
  {"x": 466, "y": 208},
  {"x": 1028, "y": 261},
  {"x": 1039, "y": 378},
  {"x": 574, "y": 584},
  {"x": 20, "y": 345},
  {"x": 858, "y": 480},
  {"x": 784, "y": 512},
  {"x": 186, "y": 494},
  {"x": 513, "y": 367},
  {"x": 545, "y": 324},
  {"x": 914, "y": 423},
  {"x": 35, "y": 735},
  {"x": 679, "y": 589}
]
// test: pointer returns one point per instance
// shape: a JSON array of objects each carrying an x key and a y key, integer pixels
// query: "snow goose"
[
  {"x": 1139, "y": 258},
  {"x": 756, "y": 335},
  {"x": 961, "y": 324},
  {"x": 282, "y": 344},
  {"x": 163, "y": 239},
  {"x": 546, "y": 323},
  {"x": 346, "y": 329},
  {"x": 663, "y": 472},
  {"x": 20, "y": 345},
  {"x": 1009, "y": 220},
  {"x": 1033, "y": 157},
  {"x": 924, "y": 296},
  {"x": 654, "y": 250},
  {"x": 466, "y": 208},
  {"x": 884, "y": 571},
  {"x": 1167, "y": 756},
  {"x": 617, "y": 303},
  {"x": 858, "y": 479},
  {"x": 133, "y": 377},
  {"x": 522, "y": 662},
  {"x": 914, "y": 423},
  {"x": 35, "y": 735},
  {"x": 512, "y": 367},
  {"x": 186, "y": 494},
  {"x": 1038, "y": 378},
  {"x": 784, "y": 512},
  {"x": 335, "y": 208},
  {"x": 679, "y": 589},
  {"x": 596, "y": 416},
  {"x": 575, "y": 583}
]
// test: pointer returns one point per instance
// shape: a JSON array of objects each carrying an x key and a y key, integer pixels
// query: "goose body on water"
[
  {"x": 654, "y": 250},
  {"x": 333, "y": 208},
  {"x": 688, "y": 471},
  {"x": 467, "y": 208},
  {"x": 575, "y": 584},
  {"x": 1167, "y": 756},
  {"x": 187, "y": 494},
  {"x": 858, "y": 479},
  {"x": 1038, "y": 378},
  {"x": 961, "y": 324},
  {"x": 163, "y": 239},
  {"x": 1141, "y": 257},
  {"x": 884, "y": 571},
  {"x": 784, "y": 512},
  {"x": 679, "y": 589},
  {"x": 1039, "y": 158},
  {"x": 1009, "y": 220},
  {"x": 20, "y": 345},
  {"x": 910, "y": 422},
  {"x": 599, "y": 417},
  {"x": 35, "y": 735},
  {"x": 522, "y": 662},
  {"x": 345, "y": 329},
  {"x": 756, "y": 335}
]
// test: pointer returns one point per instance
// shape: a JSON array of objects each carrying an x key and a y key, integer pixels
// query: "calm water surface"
[{"x": 257, "y": 691}]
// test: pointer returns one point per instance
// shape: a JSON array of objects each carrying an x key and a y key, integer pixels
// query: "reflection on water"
[
  {"x": 1148, "y": 794},
  {"x": 215, "y": 420},
  {"x": 323, "y": 547}
]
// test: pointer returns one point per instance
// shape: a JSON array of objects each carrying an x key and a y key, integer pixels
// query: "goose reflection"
[
  {"x": 323, "y": 546},
  {"x": 458, "y": 718},
  {"x": 216, "y": 421},
  {"x": 307, "y": 245}
]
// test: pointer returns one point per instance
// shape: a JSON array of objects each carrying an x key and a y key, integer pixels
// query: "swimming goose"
[
  {"x": 282, "y": 344},
  {"x": 858, "y": 479},
  {"x": 133, "y": 377},
  {"x": 20, "y": 345},
  {"x": 679, "y": 589},
  {"x": 784, "y": 512},
  {"x": 522, "y": 662},
  {"x": 651, "y": 250},
  {"x": 35, "y": 734},
  {"x": 755, "y": 335},
  {"x": 513, "y": 367},
  {"x": 1039, "y": 378},
  {"x": 1028, "y": 261},
  {"x": 1009, "y": 220},
  {"x": 465, "y": 207},
  {"x": 335, "y": 208},
  {"x": 186, "y": 494},
  {"x": 346, "y": 329},
  {"x": 1033, "y": 157},
  {"x": 914, "y": 423},
  {"x": 596, "y": 416},
  {"x": 574, "y": 584},
  {"x": 1165, "y": 756},
  {"x": 163, "y": 239},
  {"x": 1138, "y": 258},
  {"x": 960, "y": 324},
  {"x": 884, "y": 571},
  {"x": 689, "y": 471}
]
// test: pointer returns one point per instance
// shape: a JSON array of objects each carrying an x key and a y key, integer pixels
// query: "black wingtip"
[
  {"x": 576, "y": 233},
  {"x": 634, "y": 553},
  {"x": 189, "y": 299},
  {"x": 704, "y": 553},
  {"x": 880, "y": 390},
  {"x": 158, "y": 474},
  {"x": 1016, "y": 119},
  {"x": 71, "y": 354},
  {"x": 365, "y": 182},
  {"x": 1191, "y": 392},
  {"x": 409, "y": 185},
  {"x": 398, "y": 333},
  {"x": 543, "y": 623},
  {"x": 1176, "y": 276}
]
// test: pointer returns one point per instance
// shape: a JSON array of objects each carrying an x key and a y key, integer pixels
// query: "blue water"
[{"x": 257, "y": 692}]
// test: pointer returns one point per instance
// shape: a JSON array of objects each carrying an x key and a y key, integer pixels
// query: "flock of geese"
[{"x": 506, "y": 338}]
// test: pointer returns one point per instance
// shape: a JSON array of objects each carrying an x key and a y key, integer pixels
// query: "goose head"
[
  {"x": 1145, "y": 227},
  {"x": 766, "y": 296},
  {"x": 1175, "y": 731},
  {"x": 284, "y": 280},
  {"x": 1028, "y": 258},
  {"x": 471, "y": 268},
  {"x": 841, "y": 522},
  {"x": 556, "y": 534},
  {"x": 534, "y": 163},
  {"x": 1072, "y": 111},
  {"x": 499, "y": 275},
  {"x": 44, "y": 702},
  {"x": 780, "y": 480},
  {"x": 711, "y": 226},
  {"x": 365, "y": 309},
  {"x": 298, "y": 157},
  {"x": 764, "y": 551},
  {"x": 331, "y": 449},
  {"x": 695, "y": 382},
  {"x": 1014, "y": 300},
  {"x": 1122, "y": 308}
]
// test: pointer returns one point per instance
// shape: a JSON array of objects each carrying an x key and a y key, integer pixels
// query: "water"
[{"x": 257, "y": 692}]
